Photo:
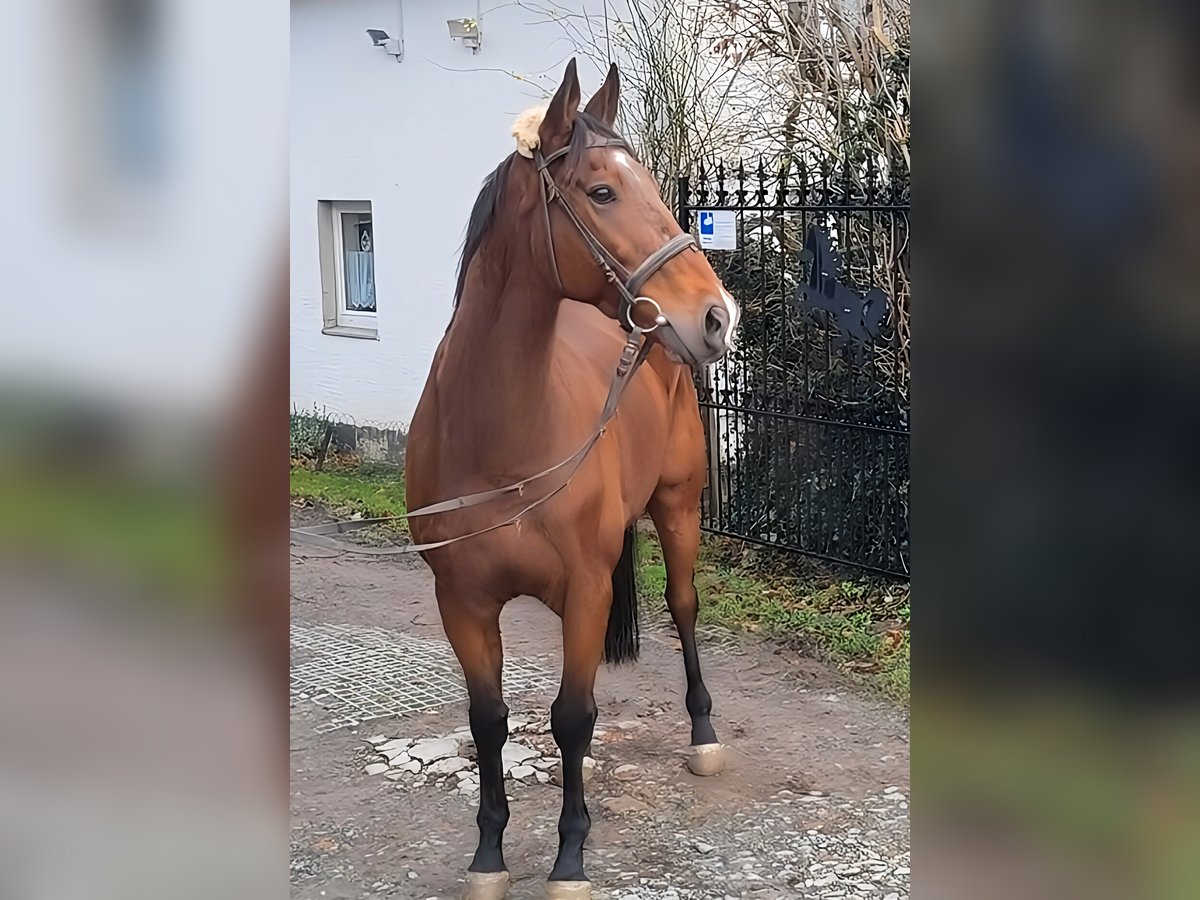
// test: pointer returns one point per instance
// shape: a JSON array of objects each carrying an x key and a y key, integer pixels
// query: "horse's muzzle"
[{"x": 703, "y": 339}]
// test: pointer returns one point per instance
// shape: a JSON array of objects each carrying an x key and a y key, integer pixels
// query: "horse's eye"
[{"x": 602, "y": 194}]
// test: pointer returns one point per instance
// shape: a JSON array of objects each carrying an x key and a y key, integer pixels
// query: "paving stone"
[
  {"x": 432, "y": 751},
  {"x": 449, "y": 765},
  {"x": 395, "y": 744}
]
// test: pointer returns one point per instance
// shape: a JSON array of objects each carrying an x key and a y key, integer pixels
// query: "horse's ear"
[
  {"x": 603, "y": 104},
  {"x": 555, "y": 130}
]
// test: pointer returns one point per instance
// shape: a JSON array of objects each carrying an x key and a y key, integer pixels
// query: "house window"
[{"x": 347, "y": 239}]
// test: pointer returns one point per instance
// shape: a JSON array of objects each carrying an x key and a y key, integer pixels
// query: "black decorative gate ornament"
[
  {"x": 807, "y": 417},
  {"x": 825, "y": 300}
]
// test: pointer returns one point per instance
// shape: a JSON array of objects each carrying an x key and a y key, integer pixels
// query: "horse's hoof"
[
  {"x": 486, "y": 886},
  {"x": 706, "y": 759},
  {"x": 568, "y": 890}
]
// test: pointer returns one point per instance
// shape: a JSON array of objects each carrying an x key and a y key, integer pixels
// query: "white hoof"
[
  {"x": 486, "y": 886},
  {"x": 568, "y": 890},
  {"x": 706, "y": 759}
]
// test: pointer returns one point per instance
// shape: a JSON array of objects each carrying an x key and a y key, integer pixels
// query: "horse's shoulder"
[{"x": 586, "y": 333}]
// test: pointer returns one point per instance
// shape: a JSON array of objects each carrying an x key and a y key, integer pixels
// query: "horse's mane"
[{"x": 491, "y": 195}]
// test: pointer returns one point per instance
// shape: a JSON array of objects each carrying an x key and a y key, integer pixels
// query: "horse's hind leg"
[
  {"x": 572, "y": 719},
  {"x": 675, "y": 510},
  {"x": 473, "y": 626}
]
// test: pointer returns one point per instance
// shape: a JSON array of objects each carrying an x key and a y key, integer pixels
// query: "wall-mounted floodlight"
[
  {"x": 467, "y": 31},
  {"x": 389, "y": 44}
]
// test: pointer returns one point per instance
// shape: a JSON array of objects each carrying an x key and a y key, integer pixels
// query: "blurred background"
[
  {"x": 1056, "y": 515},
  {"x": 143, "y": 621},
  {"x": 143, "y": 449}
]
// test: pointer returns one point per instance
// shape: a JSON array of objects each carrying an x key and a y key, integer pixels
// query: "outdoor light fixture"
[
  {"x": 466, "y": 30},
  {"x": 389, "y": 44}
]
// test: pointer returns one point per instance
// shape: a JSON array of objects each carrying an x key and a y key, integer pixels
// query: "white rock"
[
  {"x": 412, "y": 766},
  {"x": 378, "y": 739},
  {"x": 395, "y": 744},
  {"x": 522, "y": 771},
  {"x": 519, "y": 752},
  {"x": 589, "y": 766},
  {"x": 376, "y": 768},
  {"x": 542, "y": 777},
  {"x": 449, "y": 765},
  {"x": 514, "y": 755},
  {"x": 547, "y": 763},
  {"x": 432, "y": 751},
  {"x": 466, "y": 776},
  {"x": 397, "y": 757}
]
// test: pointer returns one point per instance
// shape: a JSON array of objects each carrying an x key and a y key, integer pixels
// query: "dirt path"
[{"x": 813, "y": 803}]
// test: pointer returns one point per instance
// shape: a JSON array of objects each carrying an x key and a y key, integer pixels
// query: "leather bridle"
[{"x": 628, "y": 284}]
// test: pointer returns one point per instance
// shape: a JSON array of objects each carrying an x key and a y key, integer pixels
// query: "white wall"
[{"x": 417, "y": 141}]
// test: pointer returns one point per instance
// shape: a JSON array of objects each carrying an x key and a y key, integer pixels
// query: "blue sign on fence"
[{"x": 718, "y": 229}]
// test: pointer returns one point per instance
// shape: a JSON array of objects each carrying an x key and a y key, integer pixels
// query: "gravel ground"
[{"x": 813, "y": 803}]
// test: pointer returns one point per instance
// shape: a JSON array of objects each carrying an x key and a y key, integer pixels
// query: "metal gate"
[{"x": 807, "y": 418}]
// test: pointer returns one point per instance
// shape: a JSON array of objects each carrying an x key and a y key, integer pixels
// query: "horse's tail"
[{"x": 622, "y": 642}]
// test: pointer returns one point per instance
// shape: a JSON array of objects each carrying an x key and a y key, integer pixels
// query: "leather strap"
[
  {"x": 636, "y": 347},
  {"x": 628, "y": 284},
  {"x": 632, "y": 356},
  {"x": 657, "y": 260}
]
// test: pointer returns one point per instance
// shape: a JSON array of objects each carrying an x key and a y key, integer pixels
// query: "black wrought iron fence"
[{"x": 807, "y": 417}]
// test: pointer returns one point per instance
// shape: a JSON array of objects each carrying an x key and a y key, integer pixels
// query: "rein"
[{"x": 635, "y": 350}]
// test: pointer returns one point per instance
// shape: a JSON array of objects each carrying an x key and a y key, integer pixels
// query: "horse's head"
[{"x": 612, "y": 240}]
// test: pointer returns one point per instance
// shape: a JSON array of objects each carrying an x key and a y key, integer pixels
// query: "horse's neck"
[{"x": 494, "y": 386}]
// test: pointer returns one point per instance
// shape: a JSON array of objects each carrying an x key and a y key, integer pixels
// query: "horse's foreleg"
[
  {"x": 572, "y": 719},
  {"x": 473, "y": 627},
  {"x": 676, "y": 514}
]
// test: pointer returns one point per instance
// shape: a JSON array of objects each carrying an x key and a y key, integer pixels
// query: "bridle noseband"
[{"x": 628, "y": 284}]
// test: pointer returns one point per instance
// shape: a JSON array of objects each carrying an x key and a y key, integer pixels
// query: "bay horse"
[{"x": 516, "y": 387}]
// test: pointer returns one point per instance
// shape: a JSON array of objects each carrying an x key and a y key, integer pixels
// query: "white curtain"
[{"x": 360, "y": 281}]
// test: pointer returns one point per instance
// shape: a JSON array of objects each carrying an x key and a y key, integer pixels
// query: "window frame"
[{"x": 339, "y": 319}]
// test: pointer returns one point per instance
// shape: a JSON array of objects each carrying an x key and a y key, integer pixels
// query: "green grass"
[
  {"x": 372, "y": 491},
  {"x": 859, "y": 624}
]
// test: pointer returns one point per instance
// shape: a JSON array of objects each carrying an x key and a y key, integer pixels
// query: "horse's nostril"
[{"x": 716, "y": 320}]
